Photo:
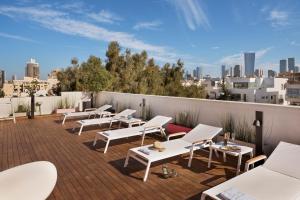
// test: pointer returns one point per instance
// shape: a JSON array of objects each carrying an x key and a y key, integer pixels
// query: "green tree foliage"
[{"x": 127, "y": 72}]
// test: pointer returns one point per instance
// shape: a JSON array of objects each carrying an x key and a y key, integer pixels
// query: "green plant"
[
  {"x": 244, "y": 132},
  {"x": 228, "y": 123},
  {"x": 67, "y": 103},
  {"x": 187, "y": 119},
  {"x": 22, "y": 108},
  {"x": 60, "y": 104},
  {"x": 149, "y": 113}
]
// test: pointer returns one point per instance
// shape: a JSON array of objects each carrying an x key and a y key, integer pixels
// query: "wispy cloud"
[
  {"x": 16, "y": 37},
  {"x": 294, "y": 43},
  {"x": 238, "y": 58},
  {"x": 105, "y": 16},
  {"x": 192, "y": 12},
  {"x": 278, "y": 18},
  {"x": 153, "y": 25},
  {"x": 62, "y": 22},
  {"x": 215, "y": 47}
]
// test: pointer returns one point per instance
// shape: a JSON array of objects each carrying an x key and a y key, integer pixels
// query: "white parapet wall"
[
  {"x": 47, "y": 104},
  {"x": 280, "y": 123}
]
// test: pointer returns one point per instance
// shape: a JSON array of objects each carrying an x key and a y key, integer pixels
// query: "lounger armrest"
[
  {"x": 89, "y": 109},
  {"x": 254, "y": 160},
  {"x": 175, "y": 135},
  {"x": 201, "y": 142}
]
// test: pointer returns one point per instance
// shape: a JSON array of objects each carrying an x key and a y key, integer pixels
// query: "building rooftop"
[{"x": 85, "y": 172}]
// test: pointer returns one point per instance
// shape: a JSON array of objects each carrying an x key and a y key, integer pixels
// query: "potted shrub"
[{"x": 22, "y": 110}]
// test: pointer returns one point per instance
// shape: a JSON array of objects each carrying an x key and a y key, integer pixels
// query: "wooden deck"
[{"x": 87, "y": 173}]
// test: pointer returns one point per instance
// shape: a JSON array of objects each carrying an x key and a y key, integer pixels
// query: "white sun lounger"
[
  {"x": 278, "y": 178},
  {"x": 34, "y": 181},
  {"x": 104, "y": 120},
  {"x": 154, "y": 125},
  {"x": 87, "y": 113},
  {"x": 197, "y": 138}
]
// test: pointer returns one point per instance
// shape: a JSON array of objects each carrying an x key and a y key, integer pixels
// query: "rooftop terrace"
[{"x": 85, "y": 172}]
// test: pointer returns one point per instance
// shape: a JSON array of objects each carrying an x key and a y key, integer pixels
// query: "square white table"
[{"x": 217, "y": 147}]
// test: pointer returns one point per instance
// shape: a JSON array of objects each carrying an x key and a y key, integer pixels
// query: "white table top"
[{"x": 244, "y": 149}]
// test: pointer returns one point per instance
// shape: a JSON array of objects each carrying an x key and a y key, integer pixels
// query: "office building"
[
  {"x": 271, "y": 73},
  {"x": 297, "y": 69},
  {"x": 282, "y": 66},
  {"x": 291, "y": 64},
  {"x": 237, "y": 71},
  {"x": 32, "y": 69},
  {"x": 2, "y": 78},
  {"x": 223, "y": 71},
  {"x": 249, "y": 62},
  {"x": 259, "y": 73},
  {"x": 14, "y": 77}
]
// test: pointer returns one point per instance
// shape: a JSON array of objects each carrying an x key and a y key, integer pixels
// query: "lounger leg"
[
  {"x": 210, "y": 157},
  {"x": 95, "y": 140},
  {"x": 127, "y": 159},
  {"x": 80, "y": 130},
  {"x": 203, "y": 196},
  {"x": 63, "y": 122},
  {"x": 191, "y": 158},
  {"x": 106, "y": 146},
  {"x": 147, "y": 171}
]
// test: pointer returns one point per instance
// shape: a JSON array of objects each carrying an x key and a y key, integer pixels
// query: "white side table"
[
  {"x": 217, "y": 147},
  {"x": 131, "y": 122}
]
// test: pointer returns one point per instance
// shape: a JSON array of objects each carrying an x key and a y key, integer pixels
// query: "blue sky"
[{"x": 204, "y": 33}]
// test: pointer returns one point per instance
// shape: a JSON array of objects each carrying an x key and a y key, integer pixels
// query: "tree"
[
  {"x": 2, "y": 94},
  {"x": 225, "y": 93},
  {"x": 153, "y": 78}
]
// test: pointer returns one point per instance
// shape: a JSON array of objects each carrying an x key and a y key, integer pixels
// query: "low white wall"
[
  {"x": 48, "y": 104},
  {"x": 281, "y": 123}
]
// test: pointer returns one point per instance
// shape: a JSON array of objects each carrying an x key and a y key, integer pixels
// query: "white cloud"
[
  {"x": 278, "y": 18},
  {"x": 16, "y": 37},
  {"x": 192, "y": 13},
  {"x": 62, "y": 22},
  {"x": 153, "y": 25},
  {"x": 239, "y": 57},
  {"x": 105, "y": 17}
]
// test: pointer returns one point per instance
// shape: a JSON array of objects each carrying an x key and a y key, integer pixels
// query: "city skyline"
[{"x": 55, "y": 32}]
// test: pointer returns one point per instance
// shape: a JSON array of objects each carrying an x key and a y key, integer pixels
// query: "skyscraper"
[
  {"x": 237, "y": 71},
  {"x": 259, "y": 73},
  {"x": 32, "y": 69},
  {"x": 249, "y": 59},
  {"x": 291, "y": 64},
  {"x": 199, "y": 73},
  {"x": 223, "y": 71},
  {"x": 282, "y": 66},
  {"x": 2, "y": 78}
]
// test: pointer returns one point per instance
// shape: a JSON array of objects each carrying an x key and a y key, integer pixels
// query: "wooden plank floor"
[{"x": 85, "y": 172}]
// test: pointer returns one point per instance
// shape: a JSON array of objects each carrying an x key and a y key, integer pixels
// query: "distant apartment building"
[
  {"x": 297, "y": 69},
  {"x": 259, "y": 73},
  {"x": 260, "y": 90},
  {"x": 2, "y": 78},
  {"x": 18, "y": 88},
  {"x": 282, "y": 66},
  {"x": 237, "y": 71},
  {"x": 32, "y": 69},
  {"x": 249, "y": 63},
  {"x": 292, "y": 87},
  {"x": 291, "y": 64},
  {"x": 271, "y": 73}
]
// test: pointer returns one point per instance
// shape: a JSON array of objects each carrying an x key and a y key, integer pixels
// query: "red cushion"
[{"x": 173, "y": 128}]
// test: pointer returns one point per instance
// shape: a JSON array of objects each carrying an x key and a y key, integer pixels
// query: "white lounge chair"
[
  {"x": 197, "y": 138},
  {"x": 278, "y": 178},
  {"x": 154, "y": 125},
  {"x": 104, "y": 120},
  {"x": 88, "y": 112},
  {"x": 32, "y": 181}
]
